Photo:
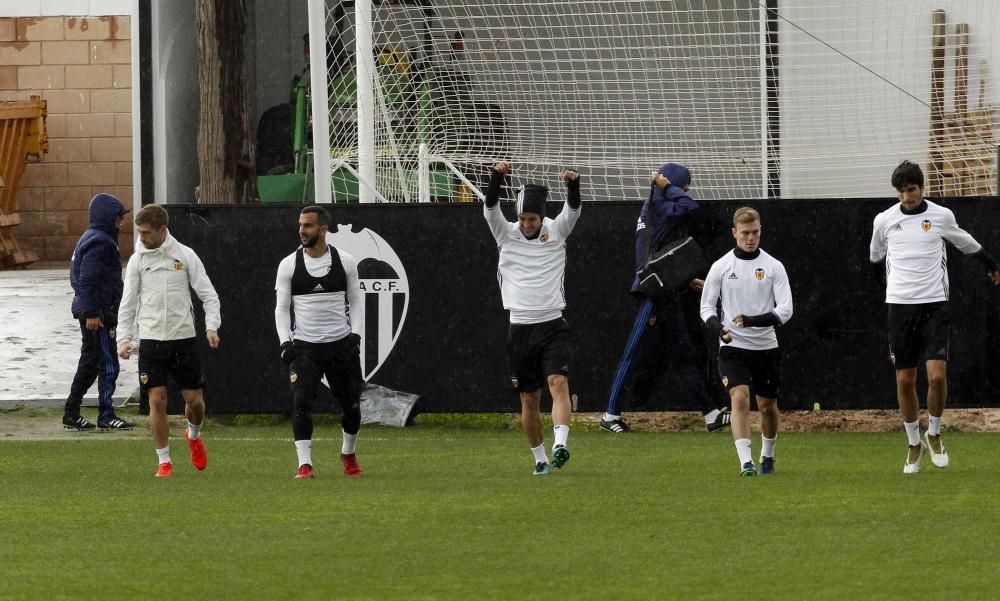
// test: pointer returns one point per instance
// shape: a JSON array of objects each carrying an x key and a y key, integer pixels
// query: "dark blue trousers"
[
  {"x": 98, "y": 361},
  {"x": 659, "y": 338}
]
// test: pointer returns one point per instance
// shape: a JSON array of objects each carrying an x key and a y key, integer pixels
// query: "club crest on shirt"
[
  {"x": 514, "y": 382},
  {"x": 293, "y": 377},
  {"x": 759, "y": 274},
  {"x": 925, "y": 225},
  {"x": 725, "y": 380},
  {"x": 178, "y": 265},
  {"x": 143, "y": 379},
  {"x": 544, "y": 238},
  {"x": 386, "y": 289}
]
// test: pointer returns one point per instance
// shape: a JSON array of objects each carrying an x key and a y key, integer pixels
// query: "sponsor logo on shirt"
[
  {"x": 318, "y": 288},
  {"x": 387, "y": 292},
  {"x": 759, "y": 274},
  {"x": 733, "y": 276},
  {"x": 925, "y": 225},
  {"x": 897, "y": 228}
]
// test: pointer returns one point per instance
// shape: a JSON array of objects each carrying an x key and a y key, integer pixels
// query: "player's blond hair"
[{"x": 745, "y": 215}]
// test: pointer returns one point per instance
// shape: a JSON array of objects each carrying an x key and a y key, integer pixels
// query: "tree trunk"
[{"x": 225, "y": 134}]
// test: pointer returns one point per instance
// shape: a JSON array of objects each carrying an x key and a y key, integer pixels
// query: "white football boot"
[
  {"x": 914, "y": 455},
  {"x": 939, "y": 455}
]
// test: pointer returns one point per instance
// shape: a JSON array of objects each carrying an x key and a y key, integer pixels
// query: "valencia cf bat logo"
[
  {"x": 759, "y": 274},
  {"x": 386, "y": 291},
  {"x": 925, "y": 225}
]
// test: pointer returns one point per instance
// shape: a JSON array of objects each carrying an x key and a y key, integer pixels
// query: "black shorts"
[
  {"x": 177, "y": 359},
  {"x": 760, "y": 370},
  {"x": 917, "y": 331},
  {"x": 536, "y": 351},
  {"x": 339, "y": 361}
]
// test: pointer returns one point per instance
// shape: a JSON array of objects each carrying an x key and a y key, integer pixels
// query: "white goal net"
[{"x": 770, "y": 98}]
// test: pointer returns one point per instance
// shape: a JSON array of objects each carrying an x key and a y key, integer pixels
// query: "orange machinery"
[{"x": 23, "y": 139}]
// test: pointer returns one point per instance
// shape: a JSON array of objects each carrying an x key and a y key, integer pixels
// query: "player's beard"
[{"x": 310, "y": 242}]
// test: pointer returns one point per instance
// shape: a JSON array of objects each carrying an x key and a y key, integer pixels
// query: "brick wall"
[{"x": 82, "y": 67}]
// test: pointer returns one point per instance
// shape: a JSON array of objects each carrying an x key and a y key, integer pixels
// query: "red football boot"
[
  {"x": 351, "y": 467},
  {"x": 199, "y": 457}
]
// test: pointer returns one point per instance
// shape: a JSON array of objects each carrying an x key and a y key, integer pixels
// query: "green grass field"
[{"x": 448, "y": 511}]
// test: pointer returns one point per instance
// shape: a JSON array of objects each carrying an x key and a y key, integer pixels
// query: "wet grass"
[{"x": 448, "y": 510}]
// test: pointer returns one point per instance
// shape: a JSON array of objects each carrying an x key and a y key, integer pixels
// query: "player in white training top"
[
  {"x": 320, "y": 284},
  {"x": 756, "y": 298},
  {"x": 531, "y": 271},
  {"x": 910, "y": 237}
]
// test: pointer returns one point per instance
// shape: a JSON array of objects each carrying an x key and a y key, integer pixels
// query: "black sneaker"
[
  {"x": 617, "y": 426},
  {"x": 721, "y": 421},
  {"x": 560, "y": 455},
  {"x": 115, "y": 423},
  {"x": 77, "y": 423},
  {"x": 766, "y": 466}
]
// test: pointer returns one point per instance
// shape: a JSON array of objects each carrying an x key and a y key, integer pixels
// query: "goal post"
[{"x": 760, "y": 98}]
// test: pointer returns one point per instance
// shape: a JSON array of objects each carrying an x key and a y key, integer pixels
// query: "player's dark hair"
[
  {"x": 322, "y": 215},
  {"x": 152, "y": 215},
  {"x": 907, "y": 174}
]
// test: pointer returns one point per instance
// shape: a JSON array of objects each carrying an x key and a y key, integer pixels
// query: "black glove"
[{"x": 287, "y": 352}]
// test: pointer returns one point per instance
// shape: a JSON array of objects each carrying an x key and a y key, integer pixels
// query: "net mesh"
[{"x": 815, "y": 99}]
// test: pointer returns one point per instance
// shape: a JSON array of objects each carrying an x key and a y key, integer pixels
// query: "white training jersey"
[
  {"x": 156, "y": 301},
  {"x": 320, "y": 316},
  {"x": 747, "y": 287},
  {"x": 913, "y": 246},
  {"x": 531, "y": 272}
]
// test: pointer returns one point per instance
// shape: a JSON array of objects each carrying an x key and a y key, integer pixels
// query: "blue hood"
[
  {"x": 679, "y": 175},
  {"x": 104, "y": 212}
]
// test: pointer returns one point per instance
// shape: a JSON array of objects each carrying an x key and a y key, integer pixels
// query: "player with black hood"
[
  {"x": 531, "y": 270},
  {"x": 96, "y": 277}
]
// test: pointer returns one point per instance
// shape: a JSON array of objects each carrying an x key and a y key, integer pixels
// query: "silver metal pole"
[{"x": 320, "y": 97}]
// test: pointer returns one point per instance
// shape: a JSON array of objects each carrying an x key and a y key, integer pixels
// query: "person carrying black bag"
[{"x": 659, "y": 334}]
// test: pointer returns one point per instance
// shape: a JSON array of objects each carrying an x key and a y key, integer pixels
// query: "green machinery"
[{"x": 426, "y": 100}]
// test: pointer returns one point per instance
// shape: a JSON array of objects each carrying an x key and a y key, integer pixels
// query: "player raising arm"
[{"x": 531, "y": 269}]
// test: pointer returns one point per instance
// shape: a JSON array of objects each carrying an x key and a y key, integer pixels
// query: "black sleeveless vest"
[{"x": 334, "y": 280}]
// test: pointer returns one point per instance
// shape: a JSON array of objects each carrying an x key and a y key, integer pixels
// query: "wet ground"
[{"x": 40, "y": 341}]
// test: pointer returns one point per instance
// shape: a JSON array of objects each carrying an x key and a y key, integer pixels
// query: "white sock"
[
  {"x": 767, "y": 446},
  {"x": 711, "y": 415},
  {"x": 350, "y": 441},
  {"x": 610, "y": 418},
  {"x": 561, "y": 434},
  {"x": 743, "y": 450},
  {"x": 933, "y": 425},
  {"x": 303, "y": 448},
  {"x": 194, "y": 432},
  {"x": 912, "y": 432},
  {"x": 163, "y": 454},
  {"x": 539, "y": 453}
]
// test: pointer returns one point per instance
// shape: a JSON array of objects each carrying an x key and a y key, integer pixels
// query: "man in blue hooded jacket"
[
  {"x": 659, "y": 335},
  {"x": 96, "y": 277}
]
